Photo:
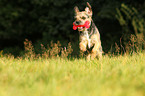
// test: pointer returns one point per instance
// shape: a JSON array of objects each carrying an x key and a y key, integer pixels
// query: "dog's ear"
[
  {"x": 88, "y": 9},
  {"x": 76, "y": 9}
]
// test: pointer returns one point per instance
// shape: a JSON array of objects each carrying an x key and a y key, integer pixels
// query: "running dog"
[{"x": 90, "y": 42}]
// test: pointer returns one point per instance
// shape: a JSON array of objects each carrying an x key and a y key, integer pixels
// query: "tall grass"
[
  {"x": 111, "y": 76},
  {"x": 133, "y": 26},
  {"x": 54, "y": 50},
  {"x": 53, "y": 74}
]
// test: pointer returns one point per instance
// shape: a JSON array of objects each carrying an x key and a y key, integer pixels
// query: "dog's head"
[{"x": 83, "y": 17}]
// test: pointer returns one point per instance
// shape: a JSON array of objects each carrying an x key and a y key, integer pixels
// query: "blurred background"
[{"x": 120, "y": 22}]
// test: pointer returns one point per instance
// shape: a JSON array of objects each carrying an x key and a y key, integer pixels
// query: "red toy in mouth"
[{"x": 87, "y": 25}]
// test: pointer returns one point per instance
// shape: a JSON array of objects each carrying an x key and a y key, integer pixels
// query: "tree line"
[{"x": 120, "y": 22}]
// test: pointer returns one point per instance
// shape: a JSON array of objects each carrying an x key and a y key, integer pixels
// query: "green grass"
[{"x": 111, "y": 76}]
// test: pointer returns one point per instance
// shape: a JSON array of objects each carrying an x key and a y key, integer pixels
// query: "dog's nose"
[{"x": 77, "y": 22}]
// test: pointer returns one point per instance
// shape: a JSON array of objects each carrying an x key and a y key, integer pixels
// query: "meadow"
[{"x": 111, "y": 76}]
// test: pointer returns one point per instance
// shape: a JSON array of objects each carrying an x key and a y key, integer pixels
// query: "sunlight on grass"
[{"x": 111, "y": 76}]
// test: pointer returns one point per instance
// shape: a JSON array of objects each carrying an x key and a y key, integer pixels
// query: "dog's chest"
[{"x": 88, "y": 33}]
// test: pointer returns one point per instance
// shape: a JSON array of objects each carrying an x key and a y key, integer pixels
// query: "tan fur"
[{"x": 92, "y": 41}]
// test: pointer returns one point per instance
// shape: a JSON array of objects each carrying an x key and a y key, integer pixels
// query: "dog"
[{"x": 90, "y": 42}]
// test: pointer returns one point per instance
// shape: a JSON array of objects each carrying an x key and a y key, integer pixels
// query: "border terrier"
[{"x": 90, "y": 42}]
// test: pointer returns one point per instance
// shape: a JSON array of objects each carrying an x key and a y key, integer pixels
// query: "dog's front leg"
[
  {"x": 83, "y": 45},
  {"x": 97, "y": 49}
]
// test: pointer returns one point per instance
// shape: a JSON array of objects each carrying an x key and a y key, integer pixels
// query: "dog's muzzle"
[
  {"x": 77, "y": 22},
  {"x": 86, "y": 25}
]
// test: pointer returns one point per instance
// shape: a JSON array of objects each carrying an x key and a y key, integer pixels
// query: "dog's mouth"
[{"x": 81, "y": 27}]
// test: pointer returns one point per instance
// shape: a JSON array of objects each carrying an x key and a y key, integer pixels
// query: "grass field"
[{"x": 111, "y": 76}]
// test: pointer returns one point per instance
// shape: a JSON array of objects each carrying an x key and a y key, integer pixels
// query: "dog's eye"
[{"x": 83, "y": 18}]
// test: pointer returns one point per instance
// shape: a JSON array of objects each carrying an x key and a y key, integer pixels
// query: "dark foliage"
[{"x": 42, "y": 21}]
